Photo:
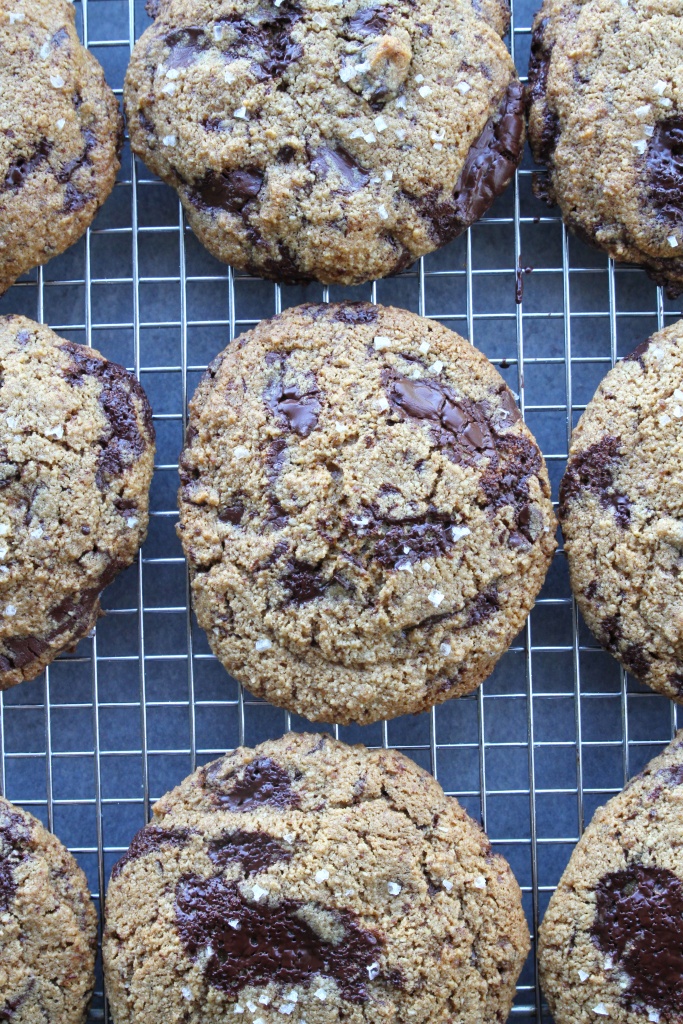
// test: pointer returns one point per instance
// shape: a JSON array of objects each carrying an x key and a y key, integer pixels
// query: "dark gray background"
[{"x": 557, "y": 728}]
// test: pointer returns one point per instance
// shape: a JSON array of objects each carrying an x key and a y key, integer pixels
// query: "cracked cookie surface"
[
  {"x": 610, "y": 944},
  {"x": 314, "y": 881},
  {"x": 76, "y": 460},
  {"x": 366, "y": 518},
  {"x": 60, "y": 132},
  {"x": 330, "y": 141},
  {"x": 48, "y": 925},
  {"x": 606, "y": 117},
  {"x": 621, "y": 510}
]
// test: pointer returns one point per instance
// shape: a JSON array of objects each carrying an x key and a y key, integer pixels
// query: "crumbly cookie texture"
[
  {"x": 60, "y": 133},
  {"x": 621, "y": 509},
  {"x": 76, "y": 461},
  {"x": 309, "y": 139},
  {"x": 48, "y": 926},
  {"x": 611, "y": 946},
  {"x": 366, "y": 517},
  {"x": 316, "y": 882},
  {"x": 606, "y": 117}
]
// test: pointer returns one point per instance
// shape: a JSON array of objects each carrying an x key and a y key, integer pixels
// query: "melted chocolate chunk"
[
  {"x": 482, "y": 607},
  {"x": 369, "y": 21},
  {"x": 123, "y": 443},
  {"x": 637, "y": 922},
  {"x": 256, "y": 851},
  {"x": 671, "y": 776},
  {"x": 639, "y": 351},
  {"x": 266, "y": 39},
  {"x": 664, "y": 169},
  {"x": 74, "y": 199},
  {"x": 227, "y": 190},
  {"x": 186, "y": 46},
  {"x": 506, "y": 480},
  {"x": 67, "y": 170},
  {"x": 635, "y": 660},
  {"x": 355, "y": 313},
  {"x": 611, "y": 633},
  {"x": 404, "y": 541},
  {"x": 232, "y": 513},
  {"x": 24, "y": 167},
  {"x": 303, "y": 582},
  {"x": 263, "y": 781},
  {"x": 353, "y": 176},
  {"x": 299, "y": 409},
  {"x": 539, "y": 65},
  {"x": 147, "y": 840},
  {"x": 487, "y": 170},
  {"x": 15, "y": 836},
  {"x": 272, "y": 943},
  {"x": 591, "y": 470}
]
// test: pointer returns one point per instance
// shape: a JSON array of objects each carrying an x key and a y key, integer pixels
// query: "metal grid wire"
[{"x": 558, "y": 727}]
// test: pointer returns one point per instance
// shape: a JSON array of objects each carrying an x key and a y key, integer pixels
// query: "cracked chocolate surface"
[
  {"x": 364, "y": 513},
  {"x": 345, "y": 897},
  {"x": 61, "y": 137},
  {"x": 412, "y": 142},
  {"x": 78, "y": 447}
]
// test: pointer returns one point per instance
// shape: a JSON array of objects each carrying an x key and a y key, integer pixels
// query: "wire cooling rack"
[{"x": 558, "y": 727}]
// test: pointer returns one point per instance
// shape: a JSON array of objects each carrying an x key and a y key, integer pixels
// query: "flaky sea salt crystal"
[
  {"x": 56, "y": 81},
  {"x": 436, "y": 597},
  {"x": 445, "y": 650}
]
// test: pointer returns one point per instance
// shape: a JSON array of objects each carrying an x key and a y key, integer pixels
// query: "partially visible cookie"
[
  {"x": 309, "y": 139},
  {"x": 60, "y": 134},
  {"x": 76, "y": 461},
  {"x": 48, "y": 926},
  {"x": 606, "y": 117},
  {"x": 621, "y": 510},
  {"x": 312, "y": 881},
  {"x": 611, "y": 944},
  {"x": 366, "y": 517}
]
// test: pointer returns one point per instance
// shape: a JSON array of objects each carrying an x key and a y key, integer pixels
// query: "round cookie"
[
  {"x": 366, "y": 518},
  {"x": 330, "y": 141},
  {"x": 605, "y": 83},
  {"x": 48, "y": 925},
  {"x": 60, "y": 135},
  {"x": 314, "y": 881},
  {"x": 76, "y": 461},
  {"x": 621, "y": 510},
  {"x": 611, "y": 945}
]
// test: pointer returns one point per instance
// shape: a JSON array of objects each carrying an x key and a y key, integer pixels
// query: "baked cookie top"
[
  {"x": 605, "y": 82},
  {"x": 610, "y": 945},
  {"x": 314, "y": 881},
  {"x": 621, "y": 509},
  {"x": 310, "y": 139},
  {"x": 77, "y": 453},
  {"x": 366, "y": 518},
  {"x": 48, "y": 925},
  {"x": 60, "y": 133}
]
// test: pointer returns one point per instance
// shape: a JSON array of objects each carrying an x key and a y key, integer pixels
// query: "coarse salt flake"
[
  {"x": 258, "y": 892},
  {"x": 45, "y": 49},
  {"x": 424, "y": 91},
  {"x": 241, "y": 114},
  {"x": 400, "y": 134},
  {"x": 238, "y": 1008},
  {"x": 234, "y": 923},
  {"x": 401, "y": 102},
  {"x": 169, "y": 88},
  {"x": 584, "y": 975},
  {"x": 394, "y": 888},
  {"x": 664, "y": 420},
  {"x": 673, "y": 241},
  {"x": 251, "y": 1007},
  {"x": 601, "y": 1010},
  {"x": 640, "y": 146},
  {"x": 56, "y": 431},
  {"x": 173, "y": 73},
  {"x": 347, "y": 73},
  {"x": 4, "y": 529},
  {"x": 458, "y": 532},
  {"x": 417, "y": 373},
  {"x": 678, "y": 412},
  {"x": 319, "y": 20},
  {"x": 320, "y": 994},
  {"x": 15, "y": 16},
  {"x": 292, "y": 996},
  {"x": 287, "y": 1007},
  {"x": 678, "y": 395},
  {"x": 131, "y": 522},
  {"x": 445, "y": 650},
  {"x": 419, "y": 79},
  {"x": 424, "y": 347},
  {"x": 186, "y": 992},
  {"x": 264, "y": 1000},
  {"x": 665, "y": 102},
  {"x": 262, "y": 644},
  {"x": 436, "y": 597},
  {"x": 437, "y": 145},
  {"x": 660, "y": 87},
  {"x": 382, "y": 211},
  {"x": 218, "y": 33},
  {"x": 381, "y": 404},
  {"x": 653, "y": 1015},
  {"x": 240, "y": 452},
  {"x": 3, "y": 554},
  {"x": 649, "y": 130},
  {"x": 643, "y": 111},
  {"x": 405, "y": 565},
  {"x": 447, "y": 884},
  {"x": 10, "y": 610},
  {"x": 169, "y": 140},
  {"x": 322, "y": 875},
  {"x": 388, "y": 175},
  {"x": 463, "y": 88},
  {"x": 229, "y": 76},
  {"x": 480, "y": 882},
  {"x": 60, "y": 124},
  {"x": 436, "y": 367},
  {"x": 289, "y": 837},
  {"x": 56, "y": 81},
  {"x": 380, "y": 123},
  {"x": 373, "y": 971},
  {"x": 381, "y": 342}
]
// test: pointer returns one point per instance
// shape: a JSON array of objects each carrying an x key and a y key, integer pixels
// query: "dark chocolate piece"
[
  {"x": 664, "y": 170},
  {"x": 299, "y": 407},
  {"x": 24, "y": 167},
  {"x": 638, "y": 352},
  {"x": 147, "y": 840},
  {"x": 261, "y": 943},
  {"x": 186, "y": 46},
  {"x": 369, "y": 21},
  {"x": 256, "y": 851},
  {"x": 352, "y": 176},
  {"x": 303, "y": 582},
  {"x": 591, "y": 470},
  {"x": 227, "y": 190},
  {"x": 263, "y": 781},
  {"x": 15, "y": 835},
  {"x": 539, "y": 65},
  {"x": 266, "y": 39},
  {"x": 482, "y": 607}
]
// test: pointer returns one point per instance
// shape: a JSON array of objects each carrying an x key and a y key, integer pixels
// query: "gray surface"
[{"x": 556, "y": 729}]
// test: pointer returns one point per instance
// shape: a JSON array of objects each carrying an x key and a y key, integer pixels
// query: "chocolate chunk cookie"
[
  {"x": 317, "y": 882},
  {"x": 48, "y": 926},
  {"x": 309, "y": 139},
  {"x": 621, "y": 509},
  {"x": 76, "y": 459},
  {"x": 606, "y": 117},
  {"x": 611, "y": 945},
  {"x": 60, "y": 132},
  {"x": 366, "y": 518}
]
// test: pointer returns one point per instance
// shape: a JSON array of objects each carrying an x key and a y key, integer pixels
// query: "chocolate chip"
[
  {"x": 369, "y": 21},
  {"x": 147, "y": 840},
  {"x": 591, "y": 470},
  {"x": 67, "y": 170},
  {"x": 265, "y": 39},
  {"x": 256, "y": 851},
  {"x": 227, "y": 190},
  {"x": 186, "y": 46},
  {"x": 664, "y": 169},
  {"x": 15, "y": 835},
  {"x": 286, "y": 154},
  {"x": 24, "y": 167},
  {"x": 591, "y": 590},
  {"x": 75, "y": 200},
  {"x": 611, "y": 632},
  {"x": 263, "y": 781},
  {"x": 123, "y": 443},
  {"x": 273, "y": 944},
  {"x": 539, "y": 65},
  {"x": 125, "y": 506},
  {"x": 635, "y": 660},
  {"x": 354, "y": 313},
  {"x": 404, "y": 541},
  {"x": 300, "y": 409},
  {"x": 486, "y": 172},
  {"x": 352, "y": 176},
  {"x": 232, "y": 513},
  {"x": 672, "y": 775},
  {"x": 637, "y": 923},
  {"x": 212, "y": 124},
  {"x": 482, "y": 607},
  {"x": 303, "y": 583},
  {"x": 639, "y": 351},
  {"x": 508, "y": 403}
]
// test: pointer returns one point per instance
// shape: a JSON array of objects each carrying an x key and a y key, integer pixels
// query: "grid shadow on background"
[{"x": 555, "y": 731}]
